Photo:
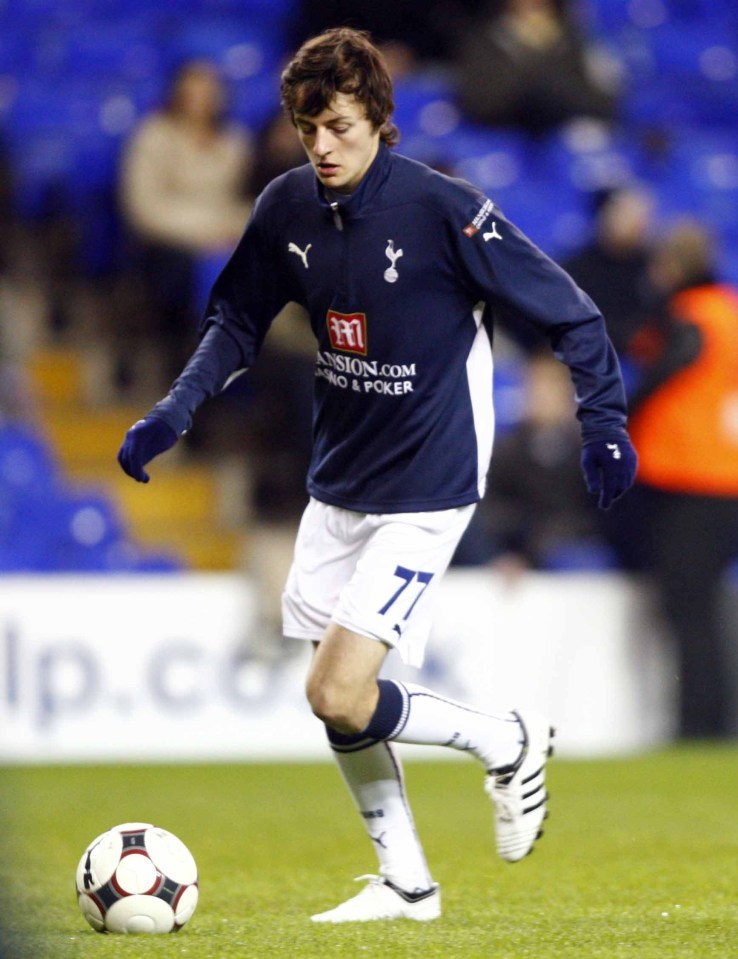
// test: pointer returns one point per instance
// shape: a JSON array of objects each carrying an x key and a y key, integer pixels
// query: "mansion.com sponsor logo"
[{"x": 365, "y": 376}]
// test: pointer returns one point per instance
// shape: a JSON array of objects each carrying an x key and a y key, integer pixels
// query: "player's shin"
[{"x": 375, "y": 780}]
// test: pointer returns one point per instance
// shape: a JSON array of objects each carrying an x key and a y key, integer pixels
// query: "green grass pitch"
[{"x": 640, "y": 859}]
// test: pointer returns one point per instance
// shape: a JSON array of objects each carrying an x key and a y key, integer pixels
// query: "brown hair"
[
  {"x": 341, "y": 60},
  {"x": 173, "y": 104}
]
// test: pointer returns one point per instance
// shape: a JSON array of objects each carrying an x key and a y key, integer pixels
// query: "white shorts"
[{"x": 375, "y": 574}]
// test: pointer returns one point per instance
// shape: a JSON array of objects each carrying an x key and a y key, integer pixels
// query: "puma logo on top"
[
  {"x": 493, "y": 234},
  {"x": 303, "y": 254}
]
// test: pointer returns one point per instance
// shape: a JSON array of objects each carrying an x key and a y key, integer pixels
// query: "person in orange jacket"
[{"x": 685, "y": 427}]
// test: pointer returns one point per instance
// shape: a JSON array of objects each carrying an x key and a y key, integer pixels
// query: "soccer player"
[{"x": 402, "y": 271}]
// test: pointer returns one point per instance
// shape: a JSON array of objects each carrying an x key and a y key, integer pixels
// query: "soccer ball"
[{"x": 137, "y": 878}]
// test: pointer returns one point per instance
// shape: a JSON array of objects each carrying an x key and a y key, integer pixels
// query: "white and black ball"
[{"x": 137, "y": 878}]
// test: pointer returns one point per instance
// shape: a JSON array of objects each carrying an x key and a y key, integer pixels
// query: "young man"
[{"x": 401, "y": 270}]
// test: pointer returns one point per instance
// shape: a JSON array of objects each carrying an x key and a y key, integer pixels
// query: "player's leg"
[
  {"x": 344, "y": 691},
  {"x": 326, "y": 553},
  {"x": 512, "y": 747},
  {"x": 375, "y": 779},
  {"x": 360, "y": 710},
  {"x": 404, "y": 888},
  {"x": 371, "y": 607},
  {"x": 389, "y": 600},
  {"x": 342, "y": 687}
]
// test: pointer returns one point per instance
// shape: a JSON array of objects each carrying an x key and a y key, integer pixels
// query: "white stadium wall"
[{"x": 177, "y": 667}]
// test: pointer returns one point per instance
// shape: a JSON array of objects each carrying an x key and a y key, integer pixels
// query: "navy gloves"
[
  {"x": 143, "y": 441},
  {"x": 609, "y": 468}
]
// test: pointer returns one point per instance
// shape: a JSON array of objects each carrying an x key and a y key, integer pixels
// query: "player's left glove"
[{"x": 609, "y": 468}]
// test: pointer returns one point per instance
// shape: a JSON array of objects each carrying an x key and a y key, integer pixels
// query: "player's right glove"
[
  {"x": 609, "y": 469},
  {"x": 144, "y": 440}
]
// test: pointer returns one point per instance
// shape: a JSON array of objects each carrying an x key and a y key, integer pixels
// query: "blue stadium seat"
[
  {"x": 47, "y": 526},
  {"x": 555, "y": 220},
  {"x": 496, "y": 161},
  {"x": 265, "y": 9},
  {"x": 701, "y": 178},
  {"x": 428, "y": 118},
  {"x": 678, "y": 50},
  {"x": 16, "y": 50},
  {"x": 241, "y": 46},
  {"x": 87, "y": 528},
  {"x": 701, "y": 10},
  {"x": 728, "y": 259},
  {"x": 248, "y": 50},
  {"x": 617, "y": 18},
  {"x": 91, "y": 538},
  {"x": 603, "y": 17},
  {"x": 28, "y": 484},
  {"x": 27, "y": 466},
  {"x": 589, "y": 157},
  {"x": 100, "y": 50},
  {"x": 516, "y": 173},
  {"x": 31, "y": 16},
  {"x": 415, "y": 91},
  {"x": 657, "y": 103},
  {"x": 58, "y": 139},
  {"x": 255, "y": 100},
  {"x": 712, "y": 103},
  {"x": 40, "y": 144}
]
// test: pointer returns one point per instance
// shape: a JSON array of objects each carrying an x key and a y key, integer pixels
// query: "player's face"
[{"x": 340, "y": 142}]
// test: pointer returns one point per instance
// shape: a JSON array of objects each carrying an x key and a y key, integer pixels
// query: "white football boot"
[
  {"x": 518, "y": 792},
  {"x": 379, "y": 899}
]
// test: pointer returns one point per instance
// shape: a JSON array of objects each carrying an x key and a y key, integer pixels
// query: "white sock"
[
  {"x": 496, "y": 739},
  {"x": 374, "y": 778}
]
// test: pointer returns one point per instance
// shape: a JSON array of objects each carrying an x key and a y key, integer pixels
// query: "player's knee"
[{"x": 335, "y": 707}]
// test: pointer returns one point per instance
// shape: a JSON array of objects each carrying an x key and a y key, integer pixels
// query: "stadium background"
[{"x": 173, "y": 584}]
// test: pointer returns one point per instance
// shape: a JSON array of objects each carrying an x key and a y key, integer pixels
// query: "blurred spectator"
[
  {"x": 685, "y": 428},
  {"x": 277, "y": 150},
  {"x": 524, "y": 63},
  {"x": 613, "y": 267},
  {"x": 183, "y": 195},
  {"x": 536, "y": 512}
]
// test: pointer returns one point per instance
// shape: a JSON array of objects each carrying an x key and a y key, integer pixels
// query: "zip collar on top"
[{"x": 354, "y": 204}]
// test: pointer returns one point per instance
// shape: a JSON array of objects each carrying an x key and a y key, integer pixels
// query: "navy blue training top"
[{"x": 401, "y": 280}]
